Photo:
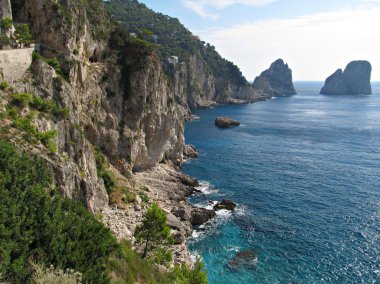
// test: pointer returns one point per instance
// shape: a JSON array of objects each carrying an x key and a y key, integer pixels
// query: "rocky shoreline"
[{"x": 169, "y": 189}]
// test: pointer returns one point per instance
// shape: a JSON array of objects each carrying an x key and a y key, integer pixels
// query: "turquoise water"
[{"x": 305, "y": 172}]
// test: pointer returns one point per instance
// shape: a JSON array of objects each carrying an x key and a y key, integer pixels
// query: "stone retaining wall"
[{"x": 14, "y": 63}]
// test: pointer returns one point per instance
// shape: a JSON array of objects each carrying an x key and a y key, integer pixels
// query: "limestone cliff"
[
  {"x": 199, "y": 87},
  {"x": 276, "y": 81},
  {"x": 199, "y": 74},
  {"x": 123, "y": 106},
  {"x": 355, "y": 79},
  {"x": 121, "y": 113}
]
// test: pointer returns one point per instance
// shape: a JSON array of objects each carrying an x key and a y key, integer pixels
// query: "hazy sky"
[{"x": 315, "y": 37}]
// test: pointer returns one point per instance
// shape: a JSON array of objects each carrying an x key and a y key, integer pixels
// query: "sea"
[{"x": 304, "y": 171}]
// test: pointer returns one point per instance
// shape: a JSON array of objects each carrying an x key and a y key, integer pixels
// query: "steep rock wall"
[{"x": 123, "y": 107}]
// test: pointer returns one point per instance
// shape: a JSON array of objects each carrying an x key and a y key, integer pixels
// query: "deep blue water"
[{"x": 305, "y": 172}]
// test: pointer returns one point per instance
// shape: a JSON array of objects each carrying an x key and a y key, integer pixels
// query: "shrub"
[
  {"x": 144, "y": 197},
  {"x": 184, "y": 275},
  {"x": 37, "y": 224},
  {"x": 36, "y": 56},
  {"x": 23, "y": 34},
  {"x": 48, "y": 106},
  {"x": 7, "y": 23},
  {"x": 128, "y": 197},
  {"x": 21, "y": 99},
  {"x": 106, "y": 175},
  {"x": 4, "y": 40},
  {"x": 4, "y": 85}
]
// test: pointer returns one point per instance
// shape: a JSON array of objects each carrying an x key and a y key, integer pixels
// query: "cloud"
[
  {"x": 314, "y": 45},
  {"x": 201, "y": 7}
]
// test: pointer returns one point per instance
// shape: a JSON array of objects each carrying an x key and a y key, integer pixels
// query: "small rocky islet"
[{"x": 226, "y": 122}]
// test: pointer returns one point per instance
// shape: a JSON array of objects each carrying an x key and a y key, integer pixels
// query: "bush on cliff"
[{"x": 37, "y": 224}]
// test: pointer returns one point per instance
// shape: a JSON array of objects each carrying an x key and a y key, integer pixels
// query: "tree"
[
  {"x": 153, "y": 231},
  {"x": 23, "y": 35}
]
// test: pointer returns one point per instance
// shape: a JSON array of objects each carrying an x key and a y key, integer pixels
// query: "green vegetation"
[
  {"x": 53, "y": 62},
  {"x": 103, "y": 172},
  {"x": 153, "y": 232},
  {"x": 4, "y": 40},
  {"x": 37, "y": 224},
  {"x": 184, "y": 275},
  {"x": 7, "y": 23},
  {"x": 24, "y": 123},
  {"x": 144, "y": 197},
  {"x": 23, "y": 34},
  {"x": 47, "y": 106},
  {"x": 128, "y": 196},
  {"x": 4, "y": 85},
  {"x": 99, "y": 19},
  {"x": 173, "y": 39}
]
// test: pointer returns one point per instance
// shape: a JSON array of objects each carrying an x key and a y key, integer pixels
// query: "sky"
[{"x": 315, "y": 37}]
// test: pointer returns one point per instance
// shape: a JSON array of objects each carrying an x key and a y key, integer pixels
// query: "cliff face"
[
  {"x": 356, "y": 79},
  {"x": 124, "y": 107},
  {"x": 199, "y": 87},
  {"x": 276, "y": 81},
  {"x": 201, "y": 77}
]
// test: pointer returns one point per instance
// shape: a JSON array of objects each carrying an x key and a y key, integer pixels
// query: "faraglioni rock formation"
[
  {"x": 276, "y": 81},
  {"x": 226, "y": 122},
  {"x": 354, "y": 80}
]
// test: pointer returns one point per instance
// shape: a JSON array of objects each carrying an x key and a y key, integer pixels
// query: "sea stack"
[
  {"x": 354, "y": 80},
  {"x": 276, "y": 81}
]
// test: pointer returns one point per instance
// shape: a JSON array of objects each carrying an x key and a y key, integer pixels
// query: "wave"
[
  {"x": 206, "y": 188},
  {"x": 194, "y": 117}
]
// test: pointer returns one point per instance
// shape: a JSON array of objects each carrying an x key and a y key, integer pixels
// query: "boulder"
[
  {"x": 189, "y": 151},
  {"x": 354, "y": 80},
  {"x": 276, "y": 81},
  {"x": 182, "y": 213},
  {"x": 225, "y": 204},
  {"x": 200, "y": 216},
  {"x": 243, "y": 259},
  {"x": 226, "y": 122},
  {"x": 187, "y": 180},
  {"x": 173, "y": 222}
]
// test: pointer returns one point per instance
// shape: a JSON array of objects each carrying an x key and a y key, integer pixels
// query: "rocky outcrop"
[
  {"x": 226, "y": 122},
  {"x": 276, "y": 81},
  {"x": 225, "y": 205},
  {"x": 356, "y": 79},
  {"x": 189, "y": 151},
  {"x": 200, "y": 216}
]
